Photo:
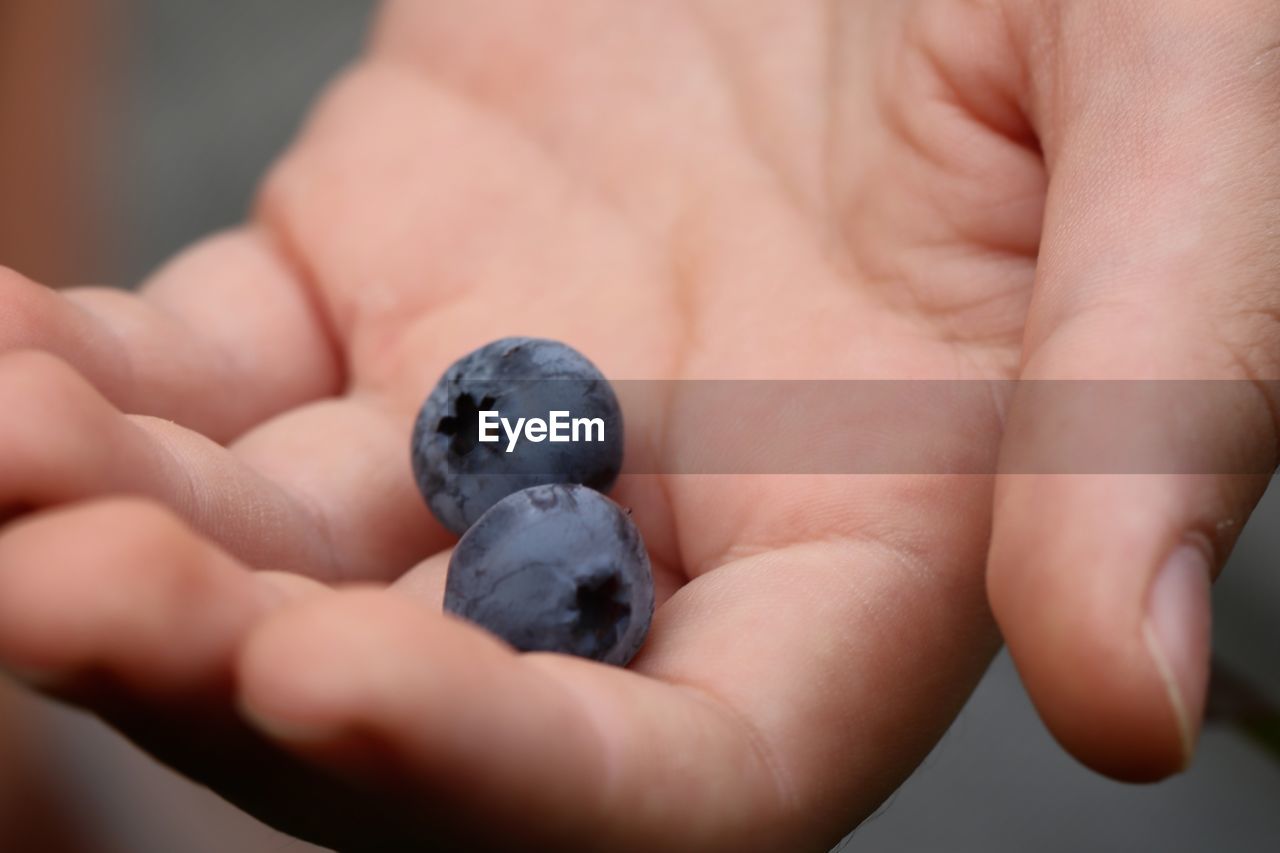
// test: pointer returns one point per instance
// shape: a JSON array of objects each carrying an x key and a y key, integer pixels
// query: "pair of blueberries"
[{"x": 546, "y": 561}]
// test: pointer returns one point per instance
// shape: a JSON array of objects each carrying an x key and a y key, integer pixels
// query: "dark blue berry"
[
  {"x": 462, "y": 477},
  {"x": 556, "y": 568}
]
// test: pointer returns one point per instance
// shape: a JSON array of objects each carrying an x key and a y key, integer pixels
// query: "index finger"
[{"x": 222, "y": 338}]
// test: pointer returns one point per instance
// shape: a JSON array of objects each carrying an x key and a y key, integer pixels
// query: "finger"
[
  {"x": 774, "y": 687},
  {"x": 325, "y": 490},
  {"x": 1158, "y": 262},
  {"x": 122, "y": 588},
  {"x": 348, "y": 459},
  {"x": 425, "y": 582},
  {"x": 63, "y": 442},
  {"x": 119, "y": 607},
  {"x": 220, "y": 339},
  {"x": 494, "y": 746}
]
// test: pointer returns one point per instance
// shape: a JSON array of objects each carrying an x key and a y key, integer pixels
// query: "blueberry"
[
  {"x": 556, "y": 568},
  {"x": 461, "y": 476}
]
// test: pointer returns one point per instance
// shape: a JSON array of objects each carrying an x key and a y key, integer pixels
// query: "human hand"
[{"x": 669, "y": 188}]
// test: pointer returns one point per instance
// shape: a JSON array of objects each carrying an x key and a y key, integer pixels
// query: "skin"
[{"x": 676, "y": 188}]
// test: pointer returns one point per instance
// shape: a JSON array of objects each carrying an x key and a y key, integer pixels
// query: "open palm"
[{"x": 680, "y": 191}]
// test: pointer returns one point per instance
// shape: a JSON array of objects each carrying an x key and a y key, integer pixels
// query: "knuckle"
[
  {"x": 39, "y": 393},
  {"x": 50, "y": 413},
  {"x": 31, "y": 370},
  {"x": 1248, "y": 332},
  {"x": 1249, "y": 341}
]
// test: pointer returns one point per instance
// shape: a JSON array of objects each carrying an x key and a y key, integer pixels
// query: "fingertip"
[
  {"x": 119, "y": 588},
  {"x": 1113, "y": 717},
  {"x": 1070, "y": 577},
  {"x": 307, "y": 674},
  {"x": 47, "y": 561}
]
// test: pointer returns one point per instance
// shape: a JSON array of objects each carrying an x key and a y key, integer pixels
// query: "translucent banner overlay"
[{"x": 914, "y": 426}]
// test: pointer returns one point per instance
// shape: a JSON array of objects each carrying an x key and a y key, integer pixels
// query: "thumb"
[{"x": 1118, "y": 501}]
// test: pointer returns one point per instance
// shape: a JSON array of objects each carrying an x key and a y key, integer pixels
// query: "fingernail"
[{"x": 1177, "y": 636}]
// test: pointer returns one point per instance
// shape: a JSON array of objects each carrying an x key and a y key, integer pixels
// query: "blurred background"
[{"x": 128, "y": 128}]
